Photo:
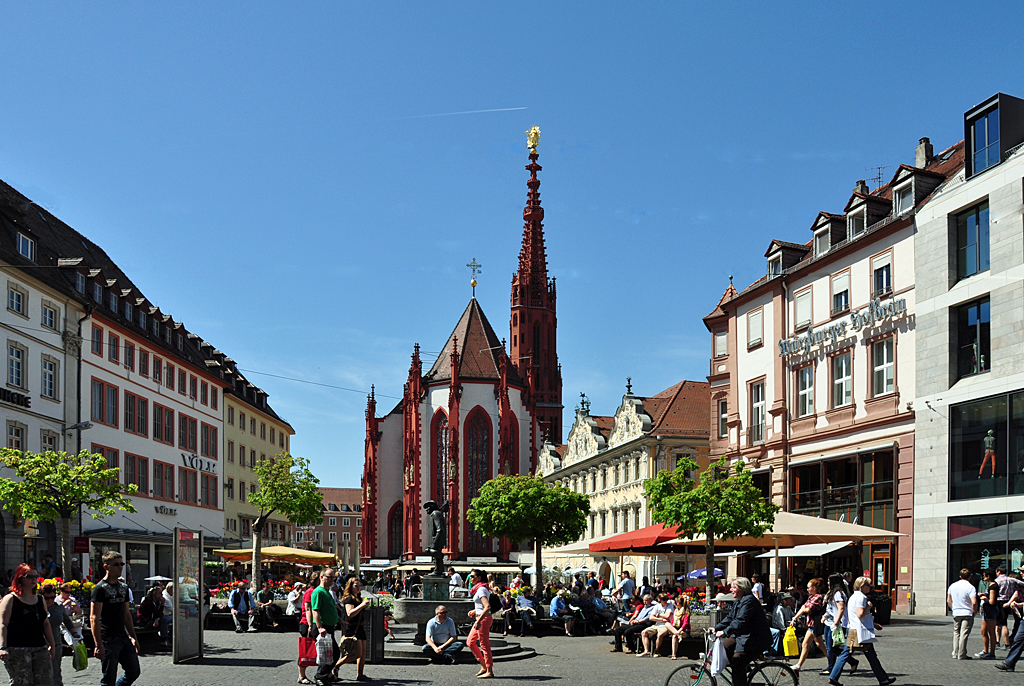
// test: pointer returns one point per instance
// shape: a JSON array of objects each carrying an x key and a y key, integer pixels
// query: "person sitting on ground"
[
  {"x": 641, "y": 620},
  {"x": 526, "y": 608},
  {"x": 442, "y": 638},
  {"x": 560, "y": 611}
]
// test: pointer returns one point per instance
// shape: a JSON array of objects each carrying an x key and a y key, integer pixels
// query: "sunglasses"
[
  {"x": 115, "y": 564},
  {"x": 444, "y": 612}
]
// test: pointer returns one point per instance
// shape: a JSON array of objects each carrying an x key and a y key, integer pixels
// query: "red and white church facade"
[{"x": 484, "y": 408}]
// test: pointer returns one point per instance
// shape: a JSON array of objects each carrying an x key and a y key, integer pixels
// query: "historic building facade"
[
  {"x": 341, "y": 526},
  {"x": 253, "y": 431},
  {"x": 482, "y": 409},
  {"x": 813, "y": 370},
  {"x": 609, "y": 458},
  {"x": 120, "y": 378},
  {"x": 39, "y": 397},
  {"x": 969, "y": 472}
]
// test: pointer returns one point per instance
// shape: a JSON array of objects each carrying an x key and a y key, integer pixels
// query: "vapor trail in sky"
[{"x": 452, "y": 114}]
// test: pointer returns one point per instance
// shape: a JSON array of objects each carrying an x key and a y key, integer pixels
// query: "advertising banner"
[{"x": 188, "y": 595}]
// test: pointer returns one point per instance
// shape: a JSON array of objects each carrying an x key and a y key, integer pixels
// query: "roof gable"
[{"x": 479, "y": 351}]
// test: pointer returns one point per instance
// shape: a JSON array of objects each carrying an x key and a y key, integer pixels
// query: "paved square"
[{"x": 915, "y": 650}]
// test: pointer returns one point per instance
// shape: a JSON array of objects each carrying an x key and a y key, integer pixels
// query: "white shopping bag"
[
  {"x": 324, "y": 650},
  {"x": 719, "y": 660}
]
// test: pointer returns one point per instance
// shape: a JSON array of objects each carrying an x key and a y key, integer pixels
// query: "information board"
[{"x": 188, "y": 595}]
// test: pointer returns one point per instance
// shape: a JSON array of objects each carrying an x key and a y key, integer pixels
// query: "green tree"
[
  {"x": 525, "y": 508},
  {"x": 721, "y": 501},
  {"x": 54, "y": 485},
  {"x": 287, "y": 486}
]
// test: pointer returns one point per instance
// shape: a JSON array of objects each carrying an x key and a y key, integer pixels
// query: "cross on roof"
[{"x": 475, "y": 267}]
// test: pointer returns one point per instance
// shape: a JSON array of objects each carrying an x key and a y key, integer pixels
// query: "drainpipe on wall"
[
  {"x": 78, "y": 394},
  {"x": 785, "y": 400}
]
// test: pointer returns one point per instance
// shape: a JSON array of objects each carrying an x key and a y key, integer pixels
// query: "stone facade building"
[{"x": 969, "y": 471}]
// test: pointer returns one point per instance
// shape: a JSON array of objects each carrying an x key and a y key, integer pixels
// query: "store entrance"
[{"x": 881, "y": 565}]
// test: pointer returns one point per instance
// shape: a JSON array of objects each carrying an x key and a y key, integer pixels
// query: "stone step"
[{"x": 501, "y": 649}]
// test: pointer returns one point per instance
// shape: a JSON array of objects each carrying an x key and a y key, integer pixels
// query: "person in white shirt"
[
  {"x": 758, "y": 589},
  {"x": 455, "y": 583},
  {"x": 861, "y": 634},
  {"x": 962, "y": 599}
]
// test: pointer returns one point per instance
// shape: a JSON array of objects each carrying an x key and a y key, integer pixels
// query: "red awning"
[{"x": 644, "y": 540}]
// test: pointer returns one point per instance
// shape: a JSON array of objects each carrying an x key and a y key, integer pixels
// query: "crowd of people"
[{"x": 998, "y": 596}]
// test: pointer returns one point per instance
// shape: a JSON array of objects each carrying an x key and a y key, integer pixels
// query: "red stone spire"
[{"x": 533, "y": 325}]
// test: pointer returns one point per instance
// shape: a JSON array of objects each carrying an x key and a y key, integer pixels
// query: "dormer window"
[
  {"x": 985, "y": 140},
  {"x": 127, "y": 310},
  {"x": 112, "y": 303},
  {"x": 97, "y": 293},
  {"x": 80, "y": 282},
  {"x": 903, "y": 199},
  {"x": 822, "y": 242},
  {"x": 26, "y": 247},
  {"x": 774, "y": 265},
  {"x": 855, "y": 224},
  {"x": 142, "y": 319}
]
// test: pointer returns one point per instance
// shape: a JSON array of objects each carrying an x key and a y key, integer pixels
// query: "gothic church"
[{"x": 482, "y": 409}]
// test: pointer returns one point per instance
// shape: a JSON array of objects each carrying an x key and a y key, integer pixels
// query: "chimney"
[
  {"x": 861, "y": 187},
  {"x": 923, "y": 154}
]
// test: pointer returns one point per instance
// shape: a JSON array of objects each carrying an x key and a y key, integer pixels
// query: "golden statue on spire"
[{"x": 532, "y": 139}]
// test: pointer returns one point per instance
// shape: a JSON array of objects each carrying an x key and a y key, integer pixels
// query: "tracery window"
[
  {"x": 441, "y": 457},
  {"x": 478, "y": 468},
  {"x": 395, "y": 529}
]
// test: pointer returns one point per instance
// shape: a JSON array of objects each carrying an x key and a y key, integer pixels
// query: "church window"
[
  {"x": 395, "y": 528},
  {"x": 536, "y": 338},
  {"x": 515, "y": 319},
  {"x": 478, "y": 468},
  {"x": 440, "y": 467}
]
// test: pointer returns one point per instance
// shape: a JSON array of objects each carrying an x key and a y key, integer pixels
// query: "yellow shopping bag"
[{"x": 790, "y": 646}]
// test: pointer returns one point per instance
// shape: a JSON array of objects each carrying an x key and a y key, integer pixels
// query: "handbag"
[
  {"x": 790, "y": 645},
  {"x": 838, "y": 637},
  {"x": 307, "y": 651},
  {"x": 348, "y": 646},
  {"x": 324, "y": 650},
  {"x": 852, "y": 641}
]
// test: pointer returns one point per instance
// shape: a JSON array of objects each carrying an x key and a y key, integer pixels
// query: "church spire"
[{"x": 533, "y": 324}]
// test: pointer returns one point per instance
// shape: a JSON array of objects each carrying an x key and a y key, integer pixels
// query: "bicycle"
[{"x": 762, "y": 672}]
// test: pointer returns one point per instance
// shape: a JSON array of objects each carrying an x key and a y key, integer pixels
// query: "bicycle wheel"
[
  {"x": 690, "y": 674},
  {"x": 773, "y": 674}
]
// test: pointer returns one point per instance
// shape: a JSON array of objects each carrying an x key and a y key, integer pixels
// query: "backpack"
[{"x": 495, "y": 603}]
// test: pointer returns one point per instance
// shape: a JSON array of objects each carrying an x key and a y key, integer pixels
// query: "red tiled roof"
[
  {"x": 681, "y": 410},
  {"x": 342, "y": 496},
  {"x": 729, "y": 294}
]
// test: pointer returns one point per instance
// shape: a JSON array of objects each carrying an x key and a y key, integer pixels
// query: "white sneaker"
[{"x": 643, "y": 654}]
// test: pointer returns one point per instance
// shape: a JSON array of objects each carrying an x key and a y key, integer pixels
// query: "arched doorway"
[{"x": 396, "y": 544}]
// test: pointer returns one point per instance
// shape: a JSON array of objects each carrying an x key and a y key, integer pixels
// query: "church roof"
[{"x": 479, "y": 351}]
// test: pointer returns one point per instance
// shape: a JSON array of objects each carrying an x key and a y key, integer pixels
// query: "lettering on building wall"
[
  {"x": 874, "y": 314},
  {"x": 164, "y": 510},
  {"x": 19, "y": 399},
  {"x": 193, "y": 461}
]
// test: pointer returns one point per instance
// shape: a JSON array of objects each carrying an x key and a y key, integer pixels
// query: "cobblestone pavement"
[{"x": 915, "y": 650}]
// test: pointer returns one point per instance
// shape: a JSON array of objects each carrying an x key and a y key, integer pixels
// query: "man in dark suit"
[{"x": 744, "y": 631}]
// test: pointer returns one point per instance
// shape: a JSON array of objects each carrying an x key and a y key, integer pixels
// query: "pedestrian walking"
[
  {"x": 26, "y": 640},
  {"x": 835, "y": 618},
  {"x": 325, "y": 619},
  {"x": 861, "y": 635},
  {"x": 306, "y": 619},
  {"x": 480, "y": 634},
  {"x": 962, "y": 599},
  {"x": 354, "y": 604},
  {"x": 58, "y": 619},
  {"x": 111, "y": 620},
  {"x": 1017, "y": 646}
]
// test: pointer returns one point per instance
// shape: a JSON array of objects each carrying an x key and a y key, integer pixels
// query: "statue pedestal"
[
  {"x": 435, "y": 588},
  {"x": 419, "y": 611}
]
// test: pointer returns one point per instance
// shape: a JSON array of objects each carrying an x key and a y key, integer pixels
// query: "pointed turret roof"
[
  {"x": 533, "y": 255},
  {"x": 479, "y": 351}
]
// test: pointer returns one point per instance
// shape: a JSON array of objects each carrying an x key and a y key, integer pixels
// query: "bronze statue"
[{"x": 438, "y": 534}]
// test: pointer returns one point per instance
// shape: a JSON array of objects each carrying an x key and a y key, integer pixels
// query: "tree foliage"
[
  {"x": 286, "y": 485},
  {"x": 52, "y": 486},
  {"x": 525, "y": 507},
  {"x": 722, "y": 502}
]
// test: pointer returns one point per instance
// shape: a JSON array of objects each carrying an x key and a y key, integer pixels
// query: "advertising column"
[{"x": 188, "y": 598}]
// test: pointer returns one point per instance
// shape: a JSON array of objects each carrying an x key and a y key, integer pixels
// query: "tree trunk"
[
  {"x": 538, "y": 565},
  {"x": 65, "y": 547},
  {"x": 257, "y": 543},
  {"x": 709, "y": 563}
]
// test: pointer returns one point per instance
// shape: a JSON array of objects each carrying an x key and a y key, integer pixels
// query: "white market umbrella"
[{"x": 157, "y": 578}]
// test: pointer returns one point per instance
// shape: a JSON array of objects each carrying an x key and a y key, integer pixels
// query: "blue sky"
[{"x": 268, "y": 174}]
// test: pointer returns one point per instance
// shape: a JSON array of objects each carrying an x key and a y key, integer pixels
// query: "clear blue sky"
[{"x": 268, "y": 174}]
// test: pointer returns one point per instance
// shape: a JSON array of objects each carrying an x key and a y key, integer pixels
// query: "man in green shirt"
[{"x": 325, "y": 617}]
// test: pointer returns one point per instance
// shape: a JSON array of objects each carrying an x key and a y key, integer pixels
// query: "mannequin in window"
[{"x": 990, "y": 453}]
